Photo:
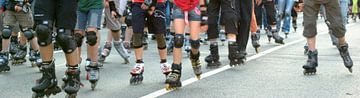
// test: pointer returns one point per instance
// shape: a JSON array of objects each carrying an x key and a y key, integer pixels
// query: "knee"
[
  {"x": 28, "y": 33},
  {"x": 66, "y": 40},
  {"x": 160, "y": 38},
  {"x": 137, "y": 40},
  {"x": 179, "y": 40},
  {"x": 6, "y": 32},
  {"x": 43, "y": 32},
  {"x": 91, "y": 38},
  {"x": 195, "y": 44}
]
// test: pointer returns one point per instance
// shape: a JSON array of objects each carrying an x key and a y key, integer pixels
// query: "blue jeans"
[
  {"x": 90, "y": 19},
  {"x": 344, "y": 10},
  {"x": 284, "y": 9}
]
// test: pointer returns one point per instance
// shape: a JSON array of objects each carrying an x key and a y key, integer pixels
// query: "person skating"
[
  {"x": 153, "y": 12},
  {"x": 311, "y": 10},
  {"x": 48, "y": 15},
  {"x": 186, "y": 12}
]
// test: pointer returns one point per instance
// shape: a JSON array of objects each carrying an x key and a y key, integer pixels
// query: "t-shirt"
[
  {"x": 86, "y": 5},
  {"x": 186, "y": 5}
]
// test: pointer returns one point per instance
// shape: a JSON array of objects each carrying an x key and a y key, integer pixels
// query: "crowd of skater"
[{"x": 176, "y": 25}]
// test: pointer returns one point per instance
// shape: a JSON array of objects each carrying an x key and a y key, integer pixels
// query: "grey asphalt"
[{"x": 277, "y": 74}]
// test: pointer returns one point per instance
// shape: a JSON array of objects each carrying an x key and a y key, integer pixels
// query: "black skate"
[
  {"x": 277, "y": 37},
  {"x": 213, "y": 59},
  {"x": 119, "y": 46},
  {"x": 311, "y": 64},
  {"x": 195, "y": 62},
  {"x": 92, "y": 74},
  {"x": 345, "y": 55},
  {"x": 47, "y": 84},
  {"x": 173, "y": 80},
  {"x": 136, "y": 74},
  {"x": 294, "y": 25},
  {"x": 269, "y": 35},
  {"x": 4, "y": 60},
  {"x": 255, "y": 42},
  {"x": 34, "y": 58},
  {"x": 236, "y": 57},
  {"x": 19, "y": 57},
  {"x": 14, "y": 45},
  {"x": 104, "y": 52},
  {"x": 72, "y": 82}
]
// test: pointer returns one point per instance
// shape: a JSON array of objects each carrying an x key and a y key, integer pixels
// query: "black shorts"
[
  {"x": 141, "y": 17},
  {"x": 60, "y": 12}
]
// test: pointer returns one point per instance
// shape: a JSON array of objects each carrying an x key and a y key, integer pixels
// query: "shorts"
[
  {"x": 15, "y": 19},
  {"x": 154, "y": 22},
  {"x": 333, "y": 14},
  {"x": 63, "y": 12},
  {"x": 193, "y": 14},
  {"x": 90, "y": 19},
  {"x": 111, "y": 22}
]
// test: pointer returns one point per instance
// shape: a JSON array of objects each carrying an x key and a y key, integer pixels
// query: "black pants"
[
  {"x": 270, "y": 13},
  {"x": 62, "y": 13},
  {"x": 245, "y": 9},
  {"x": 229, "y": 17}
]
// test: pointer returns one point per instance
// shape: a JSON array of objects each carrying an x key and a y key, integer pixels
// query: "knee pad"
[
  {"x": 178, "y": 40},
  {"x": 65, "y": 39},
  {"x": 160, "y": 38},
  {"x": 28, "y": 33},
  {"x": 43, "y": 32},
  {"x": 6, "y": 32},
  {"x": 79, "y": 39},
  {"x": 195, "y": 44},
  {"x": 137, "y": 40},
  {"x": 91, "y": 38},
  {"x": 115, "y": 31},
  {"x": 128, "y": 20}
]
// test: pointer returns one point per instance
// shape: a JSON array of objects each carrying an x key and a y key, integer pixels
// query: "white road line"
[{"x": 226, "y": 67}]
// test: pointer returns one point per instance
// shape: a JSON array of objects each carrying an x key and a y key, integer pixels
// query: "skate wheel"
[
  {"x": 37, "y": 95},
  {"x": 168, "y": 87},
  {"x": 350, "y": 70},
  {"x": 257, "y": 50},
  {"x": 93, "y": 85}
]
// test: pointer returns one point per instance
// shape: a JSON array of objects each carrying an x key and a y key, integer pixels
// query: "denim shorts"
[
  {"x": 193, "y": 15},
  {"x": 90, "y": 19}
]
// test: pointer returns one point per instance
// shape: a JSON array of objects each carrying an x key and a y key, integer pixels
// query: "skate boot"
[
  {"x": 236, "y": 57},
  {"x": 222, "y": 37},
  {"x": 19, "y": 57},
  {"x": 34, "y": 58},
  {"x": 47, "y": 84},
  {"x": 269, "y": 35},
  {"x": 4, "y": 60},
  {"x": 312, "y": 63},
  {"x": 277, "y": 37},
  {"x": 195, "y": 62},
  {"x": 13, "y": 48},
  {"x": 136, "y": 74},
  {"x": 345, "y": 55},
  {"x": 92, "y": 74},
  {"x": 119, "y": 46},
  {"x": 165, "y": 68},
  {"x": 173, "y": 80},
  {"x": 105, "y": 51},
  {"x": 72, "y": 82},
  {"x": 145, "y": 41},
  {"x": 255, "y": 42},
  {"x": 213, "y": 59}
]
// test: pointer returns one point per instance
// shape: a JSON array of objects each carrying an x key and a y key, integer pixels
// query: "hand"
[
  {"x": 258, "y": 2},
  {"x": 113, "y": 14},
  {"x": 106, "y": 4},
  {"x": 18, "y": 8},
  {"x": 144, "y": 7}
]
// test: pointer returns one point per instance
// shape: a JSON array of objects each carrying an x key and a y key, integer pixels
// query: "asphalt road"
[{"x": 276, "y": 72}]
